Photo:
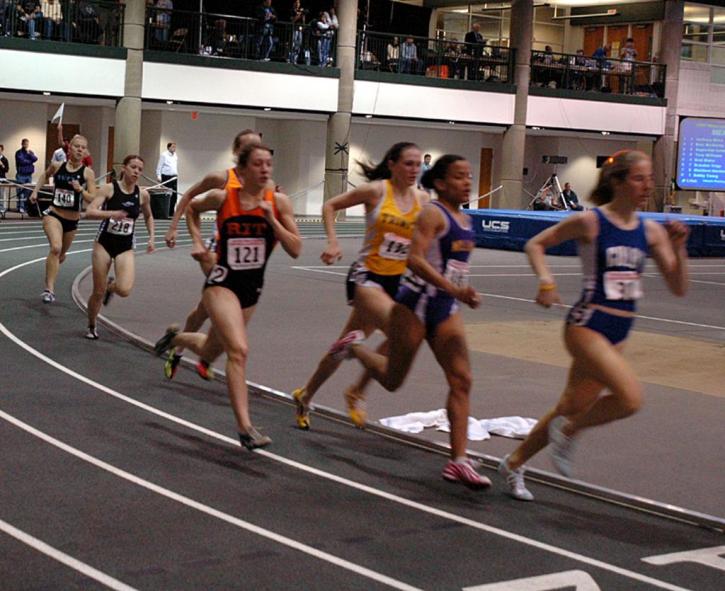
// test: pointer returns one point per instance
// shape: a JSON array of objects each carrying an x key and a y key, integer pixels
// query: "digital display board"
[{"x": 701, "y": 154}]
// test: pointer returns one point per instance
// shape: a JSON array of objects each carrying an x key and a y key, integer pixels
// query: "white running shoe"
[
  {"x": 340, "y": 349},
  {"x": 48, "y": 296},
  {"x": 515, "y": 481},
  {"x": 562, "y": 446}
]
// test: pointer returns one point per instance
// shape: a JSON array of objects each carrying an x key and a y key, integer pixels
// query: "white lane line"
[
  {"x": 141, "y": 236},
  {"x": 64, "y": 558},
  {"x": 333, "y": 477},
  {"x": 530, "y": 301},
  {"x": 203, "y": 508}
]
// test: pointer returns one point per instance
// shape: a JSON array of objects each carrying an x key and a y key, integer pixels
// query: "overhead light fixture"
[
  {"x": 451, "y": 123},
  {"x": 46, "y": 93},
  {"x": 605, "y": 133},
  {"x": 536, "y": 128},
  {"x": 267, "y": 108},
  {"x": 563, "y": 17},
  {"x": 368, "y": 116},
  {"x": 169, "y": 102}
]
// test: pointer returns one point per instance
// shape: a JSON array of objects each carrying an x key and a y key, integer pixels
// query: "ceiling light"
[
  {"x": 605, "y": 133},
  {"x": 169, "y": 102},
  {"x": 267, "y": 108},
  {"x": 368, "y": 116},
  {"x": 46, "y": 93},
  {"x": 451, "y": 123}
]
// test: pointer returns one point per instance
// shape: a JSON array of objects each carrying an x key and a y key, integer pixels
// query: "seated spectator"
[
  {"x": 52, "y": 18},
  {"x": 30, "y": 18},
  {"x": 409, "y": 57},
  {"x": 393, "y": 54},
  {"x": 87, "y": 24},
  {"x": 570, "y": 198}
]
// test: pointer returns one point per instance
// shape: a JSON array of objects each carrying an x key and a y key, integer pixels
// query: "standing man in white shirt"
[{"x": 166, "y": 170}]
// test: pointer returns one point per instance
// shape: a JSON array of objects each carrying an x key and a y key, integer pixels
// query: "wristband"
[{"x": 547, "y": 286}]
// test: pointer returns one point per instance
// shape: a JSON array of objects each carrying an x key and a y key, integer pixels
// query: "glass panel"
[
  {"x": 717, "y": 55},
  {"x": 696, "y": 22},
  {"x": 696, "y": 53},
  {"x": 717, "y": 75}
]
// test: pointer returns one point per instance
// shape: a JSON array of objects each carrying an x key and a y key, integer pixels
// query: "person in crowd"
[
  {"x": 570, "y": 197},
  {"x": 614, "y": 241},
  {"x": 393, "y": 54},
  {"x": 298, "y": 18},
  {"x": 25, "y": 160},
  {"x": 628, "y": 54},
  {"x": 409, "y": 57},
  {"x": 87, "y": 22},
  {"x": 475, "y": 43},
  {"x": 163, "y": 20},
  {"x": 424, "y": 167},
  {"x": 426, "y": 307},
  {"x": 251, "y": 219},
  {"x": 118, "y": 204},
  {"x": 392, "y": 204},
  {"x": 224, "y": 179},
  {"x": 324, "y": 38},
  {"x": 266, "y": 17},
  {"x": 30, "y": 14},
  {"x": 167, "y": 172},
  {"x": 73, "y": 183},
  {"x": 52, "y": 18},
  {"x": 4, "y": 169}
]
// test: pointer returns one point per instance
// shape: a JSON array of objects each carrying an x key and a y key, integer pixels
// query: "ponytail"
[{"x": 376, "y": 172}]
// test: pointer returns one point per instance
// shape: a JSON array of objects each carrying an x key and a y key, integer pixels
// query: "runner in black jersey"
[
  {"x": 118, "y": 204},
  {"x": 251, "y": 219},
  {"x": 73, "y": 184}
]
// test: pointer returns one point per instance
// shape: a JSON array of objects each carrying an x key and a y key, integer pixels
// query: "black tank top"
[
  {"x": 64, "y": 196},
  {"x": 128, "y": 202}
]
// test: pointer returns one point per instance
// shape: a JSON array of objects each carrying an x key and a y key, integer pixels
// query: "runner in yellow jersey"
[{"x": 392, "y": 204}]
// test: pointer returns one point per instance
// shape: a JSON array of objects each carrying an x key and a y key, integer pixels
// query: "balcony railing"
[
  {"x": 97, "y": 22},
  {"x": 434, "y": 58},
  {"x": 221, "y": 35},
  {"x": 597, "y": 74}
]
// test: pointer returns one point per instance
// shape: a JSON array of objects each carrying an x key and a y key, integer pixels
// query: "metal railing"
[
  {"x": 434, "y": 58},
  {"x": 96, "y": 22},
  {"x": 597, "y": 74},
  {"x": 222, "y": 35}
]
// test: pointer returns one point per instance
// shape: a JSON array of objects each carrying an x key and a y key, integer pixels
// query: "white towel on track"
[{"x": 478, "y": 429}]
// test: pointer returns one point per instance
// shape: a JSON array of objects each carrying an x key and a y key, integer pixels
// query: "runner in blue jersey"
[
  {"x": 614, "y": 241},
  {"x": 427, "y": 307}
]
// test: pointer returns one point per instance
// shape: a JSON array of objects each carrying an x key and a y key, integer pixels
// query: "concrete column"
[
  {"x": 337, "y": 151},
  {"x": 514, "y": 139},
  {"x": 664, "y": 152},
  {"x": 127, "y": 124}
]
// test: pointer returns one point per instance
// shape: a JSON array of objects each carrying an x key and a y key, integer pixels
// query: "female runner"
[
  {"x": 60, "y": 220},
  {"x": 118, "y": 204},
  {"x": 250, "y": 221},
  {"x": 614, "y": 241},
  {"x": 392, "y": 204},
  {"x": 426, "y": 307}
]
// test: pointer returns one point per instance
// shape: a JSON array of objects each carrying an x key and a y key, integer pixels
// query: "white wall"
[
  {"x": 35, "y": 71},
  {"x": 580, "y": 170},
  {"x": 20, "y": 120},
  {"x": 196, "y": 84},
  {"x": 696, "y": 94}
]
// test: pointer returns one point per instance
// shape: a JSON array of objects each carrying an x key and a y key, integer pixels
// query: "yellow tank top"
[{"x": 388, "y": 236}]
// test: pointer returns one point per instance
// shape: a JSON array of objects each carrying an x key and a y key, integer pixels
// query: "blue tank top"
[
  {"x": 448, "y": 253},
  {"x": 612, "y": 265}
]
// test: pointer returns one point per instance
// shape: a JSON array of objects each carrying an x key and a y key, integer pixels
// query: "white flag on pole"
[{"x": 58, "y": 117}]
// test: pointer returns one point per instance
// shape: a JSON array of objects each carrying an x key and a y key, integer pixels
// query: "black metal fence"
[
  {"x": 435, "y": 58},
  {"x": 239, "y": 37},
  {"x": 96, "y": 22},
  {"x": 597, "y": 74}
]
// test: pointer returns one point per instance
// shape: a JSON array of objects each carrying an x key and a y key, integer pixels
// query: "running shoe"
[
  {"x": 464, "y": 473},
  {"x": 355, "y": 400},
  {"x": 172, "y": 364},
  {"x": 515, "y": 481},
  {"x": 302, "y": 410},
  {"x": 48, "y": 296},
  {"x": 205, "y": 370},
  {"x": 562, "y": 446},
  {"x": 253, "y": 439},
  {"x": 164, "y": 343},
  {"x": 340, "y": 349},
  {"x": 92, "y": 333},
  {"x": 109, "y": 294}
]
